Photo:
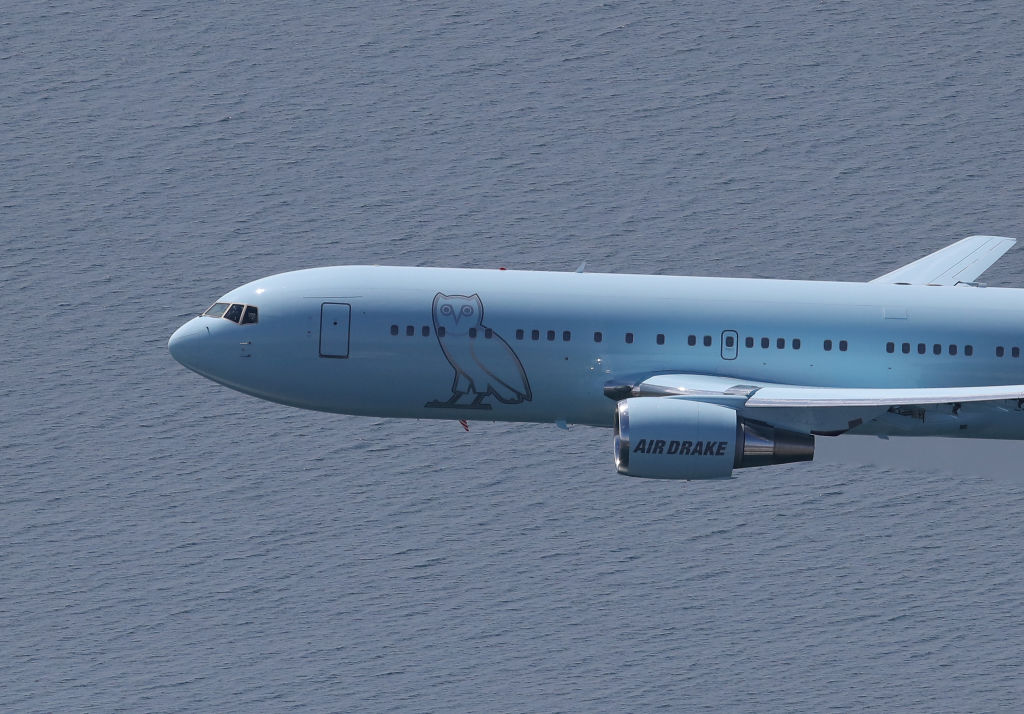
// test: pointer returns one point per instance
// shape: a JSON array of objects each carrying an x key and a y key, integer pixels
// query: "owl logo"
[{"x": 484, "y": 363}]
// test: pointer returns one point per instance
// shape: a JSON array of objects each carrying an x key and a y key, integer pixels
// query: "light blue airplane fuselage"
[{"x": 367, "y": 341}]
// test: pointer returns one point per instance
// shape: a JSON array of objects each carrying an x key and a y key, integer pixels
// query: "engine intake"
[{"x": 663, "y": 437}]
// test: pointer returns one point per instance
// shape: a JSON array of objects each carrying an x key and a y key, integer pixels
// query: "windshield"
[
  {"x": 216, "y": 309},
  {"x": 236, "y": 312}
]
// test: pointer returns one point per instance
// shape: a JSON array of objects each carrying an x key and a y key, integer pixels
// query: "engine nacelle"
[{"x": 662, "y": 437}]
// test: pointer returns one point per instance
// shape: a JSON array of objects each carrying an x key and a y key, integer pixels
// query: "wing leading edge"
[
  {"x": 793, "y": 396},
  {"x": 961, "y": 262}
]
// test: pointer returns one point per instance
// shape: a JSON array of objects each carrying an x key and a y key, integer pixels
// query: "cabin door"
[
  {"x": 335, "y": 321},
  {"x": 730, "y": 344}
]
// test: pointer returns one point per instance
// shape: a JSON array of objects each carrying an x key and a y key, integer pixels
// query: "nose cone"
[{"x": 186, "y": 344}]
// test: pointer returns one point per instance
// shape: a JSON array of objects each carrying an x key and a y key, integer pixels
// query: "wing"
[
  {"x": 961, "y": 262},
  {"x": 792, "y": 396},
  {"x": 821, "y": 410}
]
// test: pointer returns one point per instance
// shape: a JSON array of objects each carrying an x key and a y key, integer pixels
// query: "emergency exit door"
[
  {"x": 335, "y": 319},
  {"x": 730, "y": 344}
]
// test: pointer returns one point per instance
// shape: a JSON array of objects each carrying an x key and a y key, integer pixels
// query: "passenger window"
[
  {"x": 952, "y": 349},
  {"x": 410, "y": 330},
  {"x": 394, "y": 329},
  {"x": 937, "y": 349},
  {"x": 566, "y": 336},
  {"x": 921, "y": 347},
  {"x": 842, "y": 345},
  {"x": 535, "y": 335},
  {"x": 780, "y": 343},
  {"x": 551, "y": 335},
  {"x": 520, "y": 334},
  {"x": 488, "y": 333},
  {"x": 234, "y": 313},
  {"x": 749, "y": 342},
  {"x": 691, "y": 340},
  {"x": 906, "y": 348},
  {"x": 1015, "y": 352},
  {"x": 661, "y": 339},
  {"x": 426, "y": 331},
  {"x": 730, "y": 341},
  {"x": 890, "y": 347},
  {"x": 472, "y": 333},
  {"x": 440, "y": 330},
  {"x": 216, "y": 309},
  {"x": 999, "y": 351},
  {"x": 707, "y": 340},
  {"x": 629, "y": 338},
  {"x": 969, "y": 350},
  {"x": 796, "y": 343},
  {"x": 765, "y": 342},
  {"x": 598, "y": 337},
  {"x": 828, "y": 345}
]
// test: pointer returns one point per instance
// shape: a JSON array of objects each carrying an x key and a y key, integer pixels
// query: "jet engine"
[{"x": 662, "y": 437}]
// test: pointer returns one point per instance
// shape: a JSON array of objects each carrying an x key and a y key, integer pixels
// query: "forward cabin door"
[{"x": 335, "y": 320}]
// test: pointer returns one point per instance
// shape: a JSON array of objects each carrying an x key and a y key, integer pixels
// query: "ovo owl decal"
[{"x": 485, "y": 365}]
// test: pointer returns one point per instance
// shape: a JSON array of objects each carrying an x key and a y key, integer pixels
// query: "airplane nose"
[{"x": 187, "y": 341}]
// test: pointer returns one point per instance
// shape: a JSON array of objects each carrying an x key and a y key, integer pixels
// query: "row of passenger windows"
[
  {"x": 410, "y": 331},
  {"x": 242, "y": 314},
  {"x": 937, "y": 349},
  {"x": 629, "y": 337},
  {"x": 248, "y": 314},
  {"x": 487, "y": 333}
]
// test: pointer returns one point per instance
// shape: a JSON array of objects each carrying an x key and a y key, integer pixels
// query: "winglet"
[{"x": 961, "y": 262}]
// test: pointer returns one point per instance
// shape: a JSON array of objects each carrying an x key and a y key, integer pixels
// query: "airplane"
[{"x": 696, "y": 376}]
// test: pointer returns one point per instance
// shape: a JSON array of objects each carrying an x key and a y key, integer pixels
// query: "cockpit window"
[
  {"x": 216, "y": 309},
  {"x": 234, "y": 313}
]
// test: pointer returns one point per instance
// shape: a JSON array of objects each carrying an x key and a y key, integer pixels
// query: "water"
[{"x": 168, "y": 545}]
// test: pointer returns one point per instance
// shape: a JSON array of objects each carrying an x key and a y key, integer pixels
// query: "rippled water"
[{"x": 169, "y": 545}]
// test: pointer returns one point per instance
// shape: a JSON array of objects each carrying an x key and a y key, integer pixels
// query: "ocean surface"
[{"x": 168, "y": 545}]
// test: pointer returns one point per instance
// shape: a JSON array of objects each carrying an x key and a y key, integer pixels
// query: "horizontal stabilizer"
[{"x": 961, "y": 262}]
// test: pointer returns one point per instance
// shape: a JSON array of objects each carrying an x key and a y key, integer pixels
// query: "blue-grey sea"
[{"x": 168, "y": 545}]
